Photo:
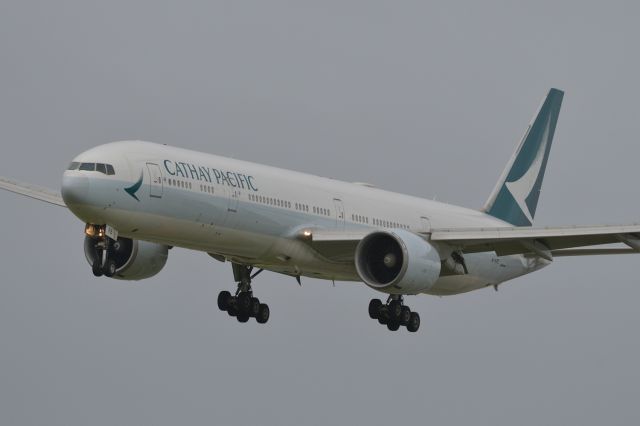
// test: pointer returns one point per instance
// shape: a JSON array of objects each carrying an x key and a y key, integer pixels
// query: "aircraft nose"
[{"x": 75, "y": 189}]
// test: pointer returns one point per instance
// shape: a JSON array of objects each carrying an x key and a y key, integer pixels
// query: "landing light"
[
  {"x": 90, "y": 230},
  {"x": 94, "y": 230}
]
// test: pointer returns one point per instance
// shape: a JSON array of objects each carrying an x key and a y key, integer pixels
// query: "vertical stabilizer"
[{"x": 515, "y": 197}]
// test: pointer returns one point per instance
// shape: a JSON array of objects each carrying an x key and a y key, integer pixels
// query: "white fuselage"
[{"x": 249, "y": 213}]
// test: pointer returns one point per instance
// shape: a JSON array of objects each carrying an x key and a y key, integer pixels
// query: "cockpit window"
[
  {"x": 89, "y": 167},
  {"x": 106, "y": 169}
]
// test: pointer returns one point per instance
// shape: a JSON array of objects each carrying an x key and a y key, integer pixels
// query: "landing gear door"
[
  {"x": 339, "y": 213},
  {"x": 155, "y": 180}
]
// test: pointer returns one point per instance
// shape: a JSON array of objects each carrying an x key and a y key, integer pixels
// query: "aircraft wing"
[
  {"x": 32, "y": 191},
  {"x": 544, "y": 242}
]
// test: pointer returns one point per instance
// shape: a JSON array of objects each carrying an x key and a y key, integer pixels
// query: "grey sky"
[{"x": 427, "y": 99}]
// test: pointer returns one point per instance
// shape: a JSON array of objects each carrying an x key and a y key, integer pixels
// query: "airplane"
[{"x": 140, "y": 199}]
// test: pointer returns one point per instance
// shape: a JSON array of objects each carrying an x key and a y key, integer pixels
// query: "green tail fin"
[{"x": 515, "y": 197}]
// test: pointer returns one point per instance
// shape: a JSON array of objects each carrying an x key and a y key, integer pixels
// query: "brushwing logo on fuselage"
[{"x": 135, "y": 187}]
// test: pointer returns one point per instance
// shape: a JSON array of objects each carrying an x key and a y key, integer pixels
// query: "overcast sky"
[{"x": 426, "y": 98}]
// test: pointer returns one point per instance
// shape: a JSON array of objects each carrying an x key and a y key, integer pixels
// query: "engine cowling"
[
  {"x": 397, "y": 262},
  {"x": 135, "y": 260}
]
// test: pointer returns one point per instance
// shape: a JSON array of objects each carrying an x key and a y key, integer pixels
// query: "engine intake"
[{"x": 397, "y": 262}]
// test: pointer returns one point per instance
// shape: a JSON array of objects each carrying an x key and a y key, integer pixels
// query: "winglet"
[{"x": 515, "y": 197}]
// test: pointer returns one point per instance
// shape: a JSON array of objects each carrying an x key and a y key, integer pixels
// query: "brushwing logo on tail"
[
  {"x": 515, "y": 196},
  {"x": 135, "y": 187},
  {"x": 521, "y": 188}
]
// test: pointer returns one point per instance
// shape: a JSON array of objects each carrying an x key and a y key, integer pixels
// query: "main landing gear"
[
  {"x": 394, "y": 314},
  {"x": 243, "y": 305}
]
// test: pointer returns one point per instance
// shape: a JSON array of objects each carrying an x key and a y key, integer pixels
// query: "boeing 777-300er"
[{"x": 139, "y": 199}]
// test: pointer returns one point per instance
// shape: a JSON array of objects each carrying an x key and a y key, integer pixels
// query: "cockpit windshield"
[{"x": 106, "y": 169}]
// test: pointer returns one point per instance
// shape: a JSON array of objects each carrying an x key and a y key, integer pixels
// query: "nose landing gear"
[
  {"x": 243, "y": 305},
  {"x": 394, "y": 314},
  {"x": 105, "y": 249}
]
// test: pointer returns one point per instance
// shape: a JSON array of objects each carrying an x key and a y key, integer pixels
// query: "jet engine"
[
  {"x": 397, "y": 262},
  {"x": 135, "y": 260}
]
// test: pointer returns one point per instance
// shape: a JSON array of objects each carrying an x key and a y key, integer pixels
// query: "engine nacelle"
[
  {"x": 135, "y": 260},
  {"x": 397, "y": 262}
]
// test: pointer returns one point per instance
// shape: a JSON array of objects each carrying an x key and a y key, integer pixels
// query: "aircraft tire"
[
  {"x": 96, "y": 269},
  {"x": 405, "y": 315},
  {"x": 263, "y": 314},
  {"x": 414, "y": 322},
  {"x": 393, "y": 325},
  {"x": 224, "y": 297},
  {"x": 374, "y": 308},
  {"x": 232, "y": 310},
  {"x": 244, "y": 303},
  {"x": 395, "y": 309},
  {"x": 110, "y": 268},
  {"x": 254, "y": 307}
]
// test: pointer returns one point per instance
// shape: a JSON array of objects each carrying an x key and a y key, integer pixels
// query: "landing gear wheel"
[
  {"x": 395, "y": 309},
  {"x": 393, "y": 325},
  {"x": 110, "y": 268},
  {"x": 254, "y": 307},
  {"x": 405, "y": 315},
  {"x": 232, "y": 310},
  {"x": 224, "y": 297},
  {"x": 414, "y": 322},
  {"x": 244, "y": 303},
  {"x": 374, "y": 308},
  {"x": 263, "y": 314},
  {"x": 96, "y": 269},
  {"x": 394, "y": 313}
]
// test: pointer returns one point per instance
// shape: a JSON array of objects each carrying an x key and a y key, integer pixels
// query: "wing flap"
[{"x": 32, "y": 191}]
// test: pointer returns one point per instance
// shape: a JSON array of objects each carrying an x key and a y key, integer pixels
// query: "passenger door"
[
  {"x": 232, "y": 208},
  {"x": 339, "y": 213},
  {"x": 155, "y": 180}
]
